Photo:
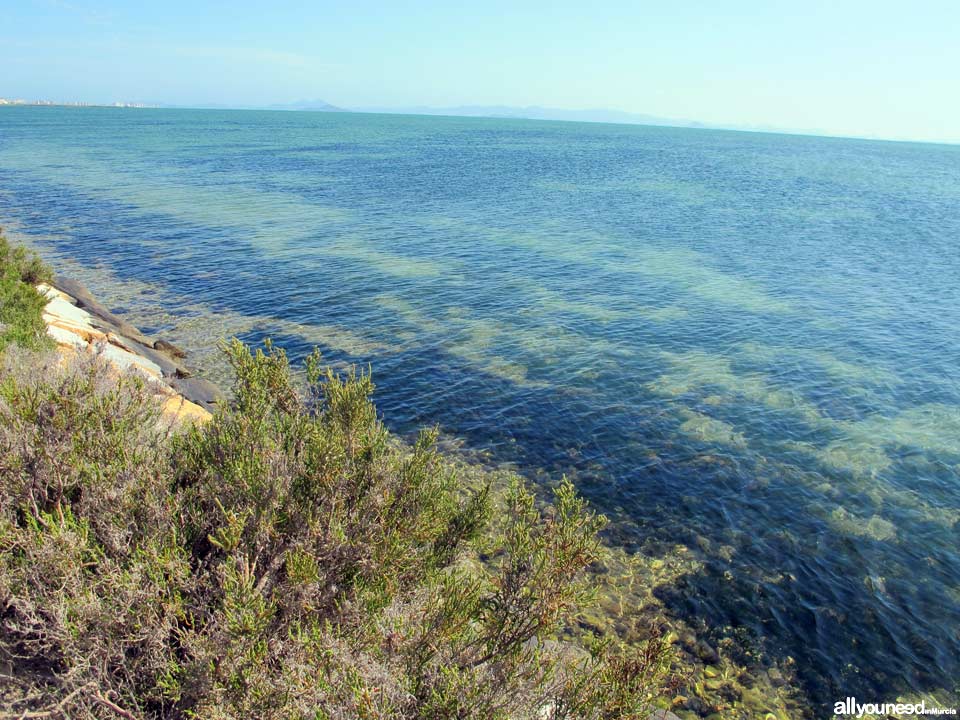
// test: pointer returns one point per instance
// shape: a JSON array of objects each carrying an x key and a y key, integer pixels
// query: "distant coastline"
[{"x": 56, "y": 103}]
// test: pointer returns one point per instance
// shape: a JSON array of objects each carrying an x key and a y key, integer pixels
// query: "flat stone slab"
[
  {"x": 61, "y": 309},
  {"x": 80, "y": 324},
  {"x": 126, "y": 360},
  {"x": 85, "y": 300},
  {"x": 87, "y": 333},
  {"x": 66, "y": 338}
]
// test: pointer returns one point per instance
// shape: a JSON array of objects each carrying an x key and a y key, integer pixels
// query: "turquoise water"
[{"x": 744, "y": 343}]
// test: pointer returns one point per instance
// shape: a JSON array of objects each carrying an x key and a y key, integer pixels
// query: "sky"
[{"x": 873, "y": 68}]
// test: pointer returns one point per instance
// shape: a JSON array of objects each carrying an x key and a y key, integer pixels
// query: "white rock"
[
  {"x": 64, "y": 337},
  {"x": 87, "y": 333},
  {"x": 61, "y": 309},
  {"x": 124, "y": 360}
]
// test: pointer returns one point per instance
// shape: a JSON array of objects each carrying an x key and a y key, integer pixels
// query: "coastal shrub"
[
  {"x": 288, "y": 559},
  {"x": 20, "y": 303}
]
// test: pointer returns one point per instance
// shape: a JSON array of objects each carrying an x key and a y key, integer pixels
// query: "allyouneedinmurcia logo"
[{"x": 850, "y": 706}]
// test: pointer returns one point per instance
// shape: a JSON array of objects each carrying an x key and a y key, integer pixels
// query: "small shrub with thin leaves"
[
  {"x": 289, "y": 559},
  {"x": 21, "y": 305},
  {"x": 92, "y": 578}
]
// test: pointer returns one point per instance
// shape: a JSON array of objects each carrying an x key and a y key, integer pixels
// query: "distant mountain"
[
  {"x": 530, "y": 112},
  {"x": 601, "y": 115},
  {"x": 534, "y": 112},
  {"x": 314, "y": 105}
]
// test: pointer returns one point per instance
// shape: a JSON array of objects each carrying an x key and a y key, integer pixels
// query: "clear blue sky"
[{"x": 852, "y": 67}]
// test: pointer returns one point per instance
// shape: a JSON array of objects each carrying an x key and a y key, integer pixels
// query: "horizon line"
[{"x": 439, "y": 111}]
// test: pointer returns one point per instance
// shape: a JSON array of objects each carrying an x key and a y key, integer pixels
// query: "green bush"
[
  {"x": 289, "y": 559},
  {"x": 20, "y": 303}
]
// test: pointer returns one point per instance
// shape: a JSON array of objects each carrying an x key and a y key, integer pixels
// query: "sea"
[{"x": 742, "y": 347}]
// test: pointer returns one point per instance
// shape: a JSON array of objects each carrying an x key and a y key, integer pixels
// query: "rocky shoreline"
[{"x": 78, "y": 323}]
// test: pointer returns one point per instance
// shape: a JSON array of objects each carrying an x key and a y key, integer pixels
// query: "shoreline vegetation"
[{"x": 167, "y": 553}]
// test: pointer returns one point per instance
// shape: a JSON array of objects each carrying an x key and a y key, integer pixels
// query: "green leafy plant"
[{"x": 21, "y": 305}]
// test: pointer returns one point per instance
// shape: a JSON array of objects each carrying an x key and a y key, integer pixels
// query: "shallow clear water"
[{"x": 745, "y": 343}]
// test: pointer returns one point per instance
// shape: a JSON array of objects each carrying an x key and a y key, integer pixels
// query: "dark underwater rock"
[
  {"x": 197, "y": 390},
  {"x": 169, "y": 348}
]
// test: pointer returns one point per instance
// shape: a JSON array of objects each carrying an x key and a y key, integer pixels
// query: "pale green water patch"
[
  {"x": 665, "y": 314},
  {"x": 856, "y": 372},
  {"x": 713, "y": 375},
  {"x": 388, "y": 263},
  {"x": 710, "y": 430},
  {"x": 859, "y": 458},
  {"x": 477, "y": 344},
  {"x": 874, "y": 527},
  {"x": 266, "y": 218},
  {"x": 933, "y": 427},
  {"x": 690, "y": 271},
  {"x": 545, "y": 301}
]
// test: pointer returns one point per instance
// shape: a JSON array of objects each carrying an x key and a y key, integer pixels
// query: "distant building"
[{"x": 18, "y": 101}]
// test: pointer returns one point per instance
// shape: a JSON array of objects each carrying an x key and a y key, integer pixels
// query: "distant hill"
[
  {"x": 315, "y": 105},
  {"x": 601, "y": 115},
  {"x": 530, "y": 112},
  {"x": 534, "y": 112}
]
